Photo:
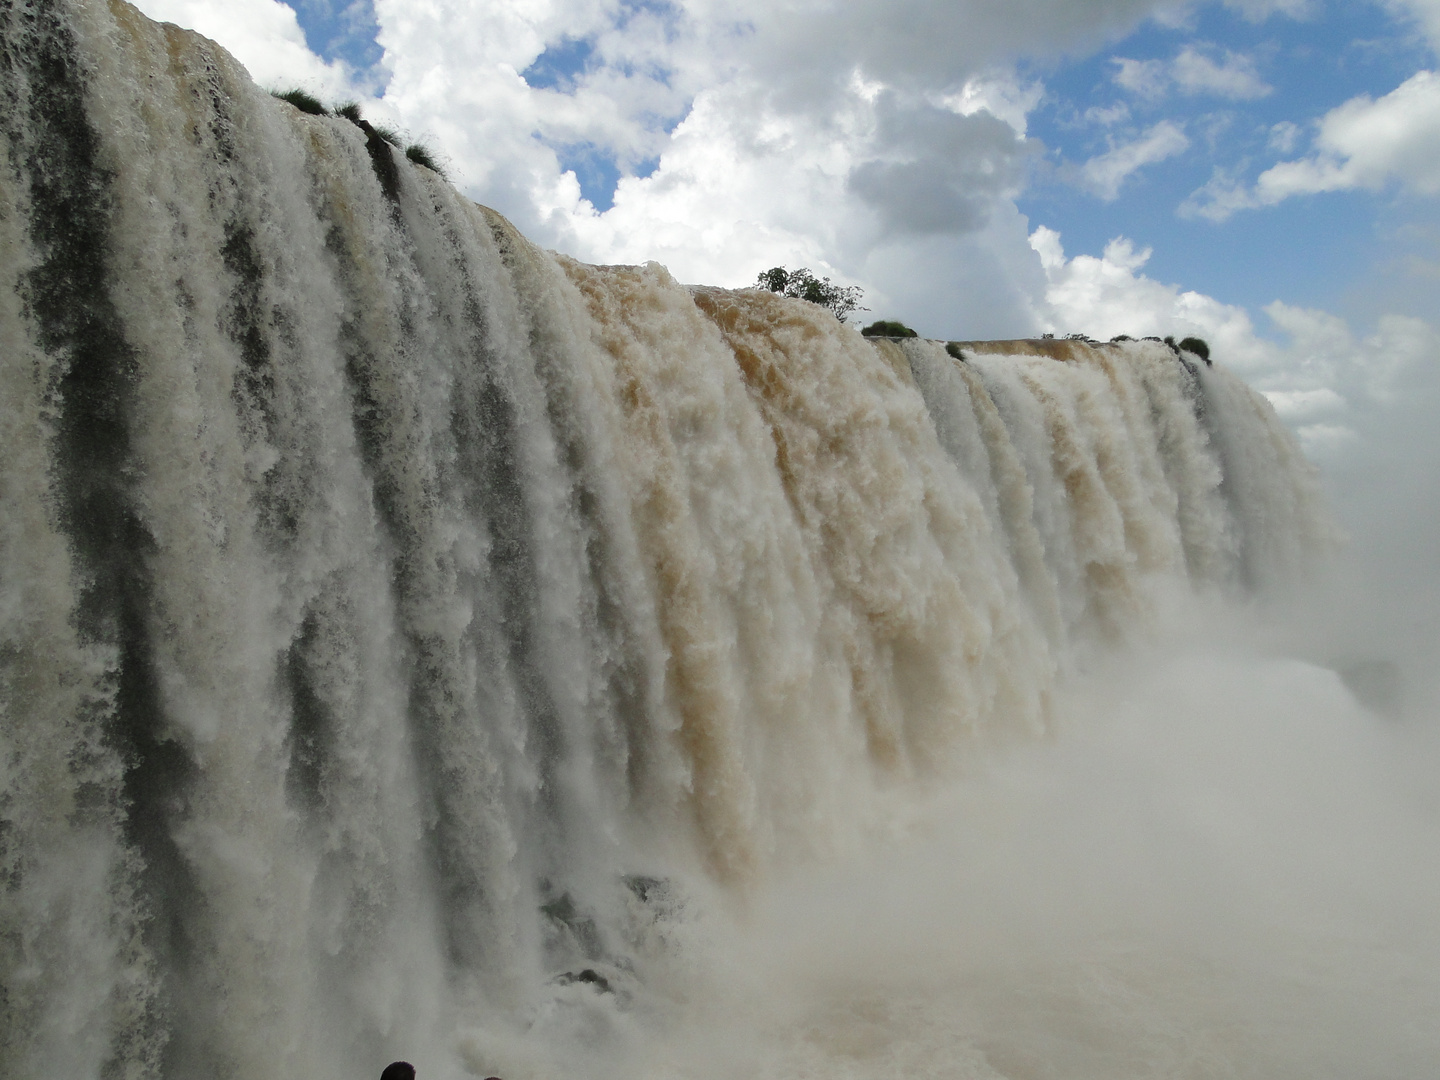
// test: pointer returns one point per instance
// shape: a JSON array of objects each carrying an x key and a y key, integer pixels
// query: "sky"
[{"x": 1261, "y": 173}]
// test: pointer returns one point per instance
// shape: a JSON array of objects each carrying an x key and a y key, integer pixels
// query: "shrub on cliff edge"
[
  {"x": 888, "y": 328},
  {"x": 1197, "y": 346},
  {"x": 840, "y": 300}
]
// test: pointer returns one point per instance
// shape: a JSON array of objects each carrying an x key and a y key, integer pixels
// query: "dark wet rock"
[{"x": 587, "y": 975}]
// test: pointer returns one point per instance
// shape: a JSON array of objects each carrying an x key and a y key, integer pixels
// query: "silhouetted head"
[{"x": 398, "y": 1070}]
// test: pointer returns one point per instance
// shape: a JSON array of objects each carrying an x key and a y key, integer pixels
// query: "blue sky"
[
  {"x": 597, "y": 169},
  {"x": 342, "y": 31},
  {"x": 1307, "y": 66},
  {"x": 1262, "y": 173}
]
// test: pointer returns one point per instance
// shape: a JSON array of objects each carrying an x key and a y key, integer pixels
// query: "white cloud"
[
  {"x": 1379, "y": 369},
  {"x": 860, "y": 144},
  {"x": 265, "y": 36},
  {"x": 1234, "y": 78},
  {"x": 1108, "y": 116},
  {"x": 1147, "y": 78},
  {"x": 1343, "y": 390},
  {"x": 1364, "y": 143},
  {"x": 1337, "y": 389},
  {"x": 1220, "y": 197},
  {"x": 1000, "y": 94},
  {"x": 1107, "y": 296},
  {"x": 1105, "y": 173},
  {"x": 867, "y": 84},
  {"x": 1297, "y": 406},
  {"x": 1284, "y": 136},
  {"x": 1192, "y": 72},
  {"x": 1424, "y": 13}
]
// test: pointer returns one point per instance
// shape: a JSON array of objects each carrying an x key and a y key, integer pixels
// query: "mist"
[{"x": 1221, "y": 864}]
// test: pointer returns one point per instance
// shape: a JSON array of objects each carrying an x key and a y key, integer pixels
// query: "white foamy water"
[{"x": 416, "y": 644}]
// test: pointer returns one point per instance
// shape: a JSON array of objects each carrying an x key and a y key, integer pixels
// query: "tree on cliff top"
[{"x": 801, "y": 284}]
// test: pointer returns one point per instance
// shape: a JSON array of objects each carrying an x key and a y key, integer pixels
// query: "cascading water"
[{"x": 405, "y": 631}]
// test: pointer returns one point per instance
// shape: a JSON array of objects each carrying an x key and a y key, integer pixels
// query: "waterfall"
[{"x": 402, "y": 627}]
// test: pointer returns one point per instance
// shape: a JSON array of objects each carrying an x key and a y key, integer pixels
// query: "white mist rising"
[
  {"x": 1223, "y": 867},
  {"x": 415, "y": 644}
]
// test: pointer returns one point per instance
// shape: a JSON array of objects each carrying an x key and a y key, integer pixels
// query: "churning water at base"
[{"x": 415, "y": 644}]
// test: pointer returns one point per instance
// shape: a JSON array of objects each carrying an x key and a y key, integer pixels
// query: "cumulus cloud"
[
  {"x": 936, "y": 171},
  {"x": 1364, "y": 143},
  {"x": 853, "y": 138},
  {"x": 265, "y": 36},
  {"x": 913, "y": 44},
  {"x": 1338, "y": 389},
  {"x": 460, "y": 69},
  {"x": 731, "y": 196},
  {"x": 998, "y": 93},
  {"x": 1105, "y": 173},
  {"x": 1192, "y": 72},
  {"x": 1107, "y": 295}
]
